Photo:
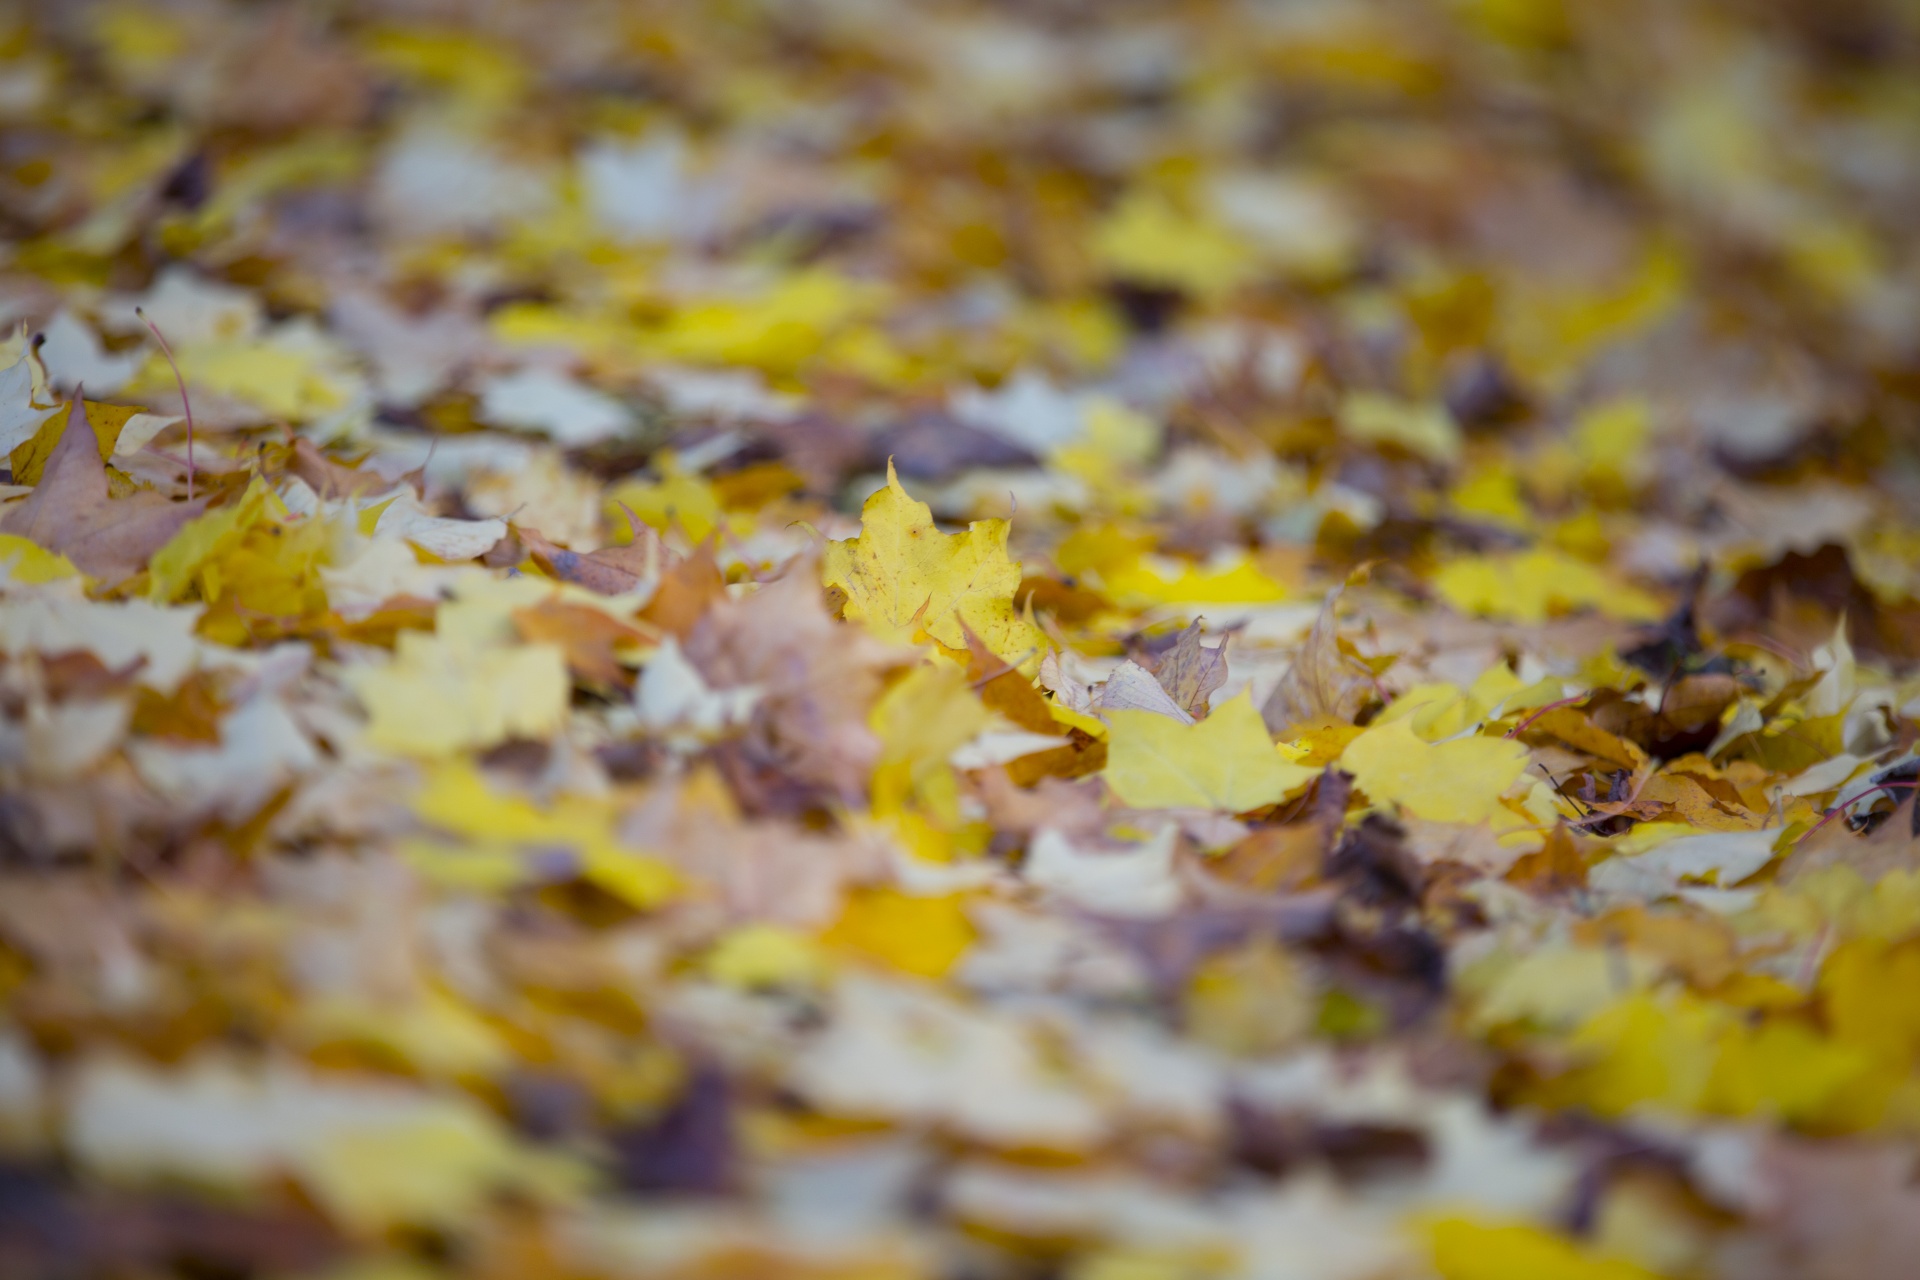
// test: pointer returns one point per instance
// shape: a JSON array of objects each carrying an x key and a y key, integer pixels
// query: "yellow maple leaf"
[
  {"x": 1225, "y": 762},
  {"x": 1460, "y": 780},
  {"x": 30, "y": 460},
  {"x": 904, "y": 578},
  {"x": 1531, "y": 586}
]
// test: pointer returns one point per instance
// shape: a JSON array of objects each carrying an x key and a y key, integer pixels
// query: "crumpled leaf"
[
  {"x": 1190, "y": 671},
  {"x": 1324, "y": 682},
  {"x": 818, "y": 681},
  {"x": 1132, "y": 687}
]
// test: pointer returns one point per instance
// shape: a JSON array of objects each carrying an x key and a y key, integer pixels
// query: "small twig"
[
  {"x": 1554, "y": 782},
  {"x": 180, "y": 382},
  {"x": 1841, "y": 806},
  {"x": 1006, "y": 666}
]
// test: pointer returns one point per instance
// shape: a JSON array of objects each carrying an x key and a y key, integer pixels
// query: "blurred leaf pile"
[{"x": 796, "y": 639}]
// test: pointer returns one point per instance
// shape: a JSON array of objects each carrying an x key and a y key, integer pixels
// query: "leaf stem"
[{"x": 180, "y": 382}]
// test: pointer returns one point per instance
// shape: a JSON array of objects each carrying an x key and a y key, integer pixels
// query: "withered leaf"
[
  {"x": 1324, "y": 681},
  {"x": 688, "y": 587},
  {"x": 611, "y": 571},
  {"x": 70, "y": 511},
  {"x": 328, "y": 478},
  {"x": 587, "y": 636},
  {"x": 1190, "y": 671}
]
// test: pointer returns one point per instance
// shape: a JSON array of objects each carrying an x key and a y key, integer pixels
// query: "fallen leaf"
[
  {"x": 70, "y": 510},
  {"x": 1323, "y": 683},
  {"x": 438, "y": 697},
  {"x": 1224, "y": 762},
  {"x": 904, "y": 578},
  {"x": 1190, "y": 671},
  {"x": 1459, "y": 780},
  {"x": 588, "y": 638}
]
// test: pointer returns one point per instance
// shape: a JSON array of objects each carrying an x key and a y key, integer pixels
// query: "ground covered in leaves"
[{"x": 960, "y": 640}]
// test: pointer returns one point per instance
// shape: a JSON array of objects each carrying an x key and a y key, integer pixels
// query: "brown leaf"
[
  {"x": 328, "y": 478},
  {"x": 1005, "y": 690},
  {"x": 819, "y": 678},
  {"x": 1323, "y": 682},
  {"x": 1190, "y": 671},
  {"x": 1559, "y": 865},
  {"x": 1836, "y": 1211},
  {"x": 281, "y": 73},
  {"x": 1284, "y": 859},
  {"x": 1686, "y": 718},
  {"x": 688, "y": 588},
  {"x": 611, "y": 571},
  {"x": 1568, "y": 725},
  {"x": 751, "y": 869},
  {"x": 1082, "y": 755},
  {"x": 586, "y": 635},
  {"x": 70, "y": 510}
]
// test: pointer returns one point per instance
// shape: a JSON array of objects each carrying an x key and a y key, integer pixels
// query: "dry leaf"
[{"x": 70, "y": 510}]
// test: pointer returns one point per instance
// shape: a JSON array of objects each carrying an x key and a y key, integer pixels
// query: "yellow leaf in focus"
[
  {"x": 903, "y": 577},
  {"x": 1533, "y": 585},
  {"x": 1224, "y": 762},
  {"x": 1460, "y": 780},
  {"x": 249, "y": 562},
  {"x": 1467, "y": 1250},
  {"x": 175, "y": 566},
  {"x": 921, "y": 936}
]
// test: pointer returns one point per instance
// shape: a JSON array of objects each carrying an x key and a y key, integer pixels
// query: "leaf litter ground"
[{"x": 808, "y": 639}]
